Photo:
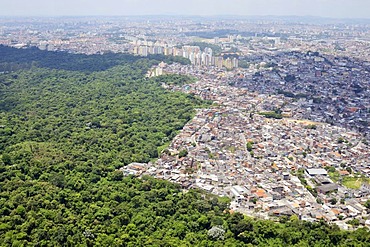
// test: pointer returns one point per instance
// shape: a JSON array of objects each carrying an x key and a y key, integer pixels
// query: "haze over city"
[{"x": 324, "y": 8}]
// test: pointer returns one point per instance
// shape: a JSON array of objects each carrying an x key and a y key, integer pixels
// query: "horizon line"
[{"x": 187, "y": 15}]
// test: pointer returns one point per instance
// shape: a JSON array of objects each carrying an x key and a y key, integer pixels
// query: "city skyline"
[{"x": 322, "y": 8}]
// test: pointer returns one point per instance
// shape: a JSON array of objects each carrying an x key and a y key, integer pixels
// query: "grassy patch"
[
  {"x": 353, "y": 183},
  {"x": 334, "y": 176}
]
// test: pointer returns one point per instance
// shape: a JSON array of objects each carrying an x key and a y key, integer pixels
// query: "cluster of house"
[
  {"x": 269, "y": 167},
  {"x": 325, "y": 88}
]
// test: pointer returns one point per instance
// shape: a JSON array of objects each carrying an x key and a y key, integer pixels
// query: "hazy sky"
[{"x": 325, "y": 8}]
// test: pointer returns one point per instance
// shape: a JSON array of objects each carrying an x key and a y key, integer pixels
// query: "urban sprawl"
[{"x": 288, "y": 132}]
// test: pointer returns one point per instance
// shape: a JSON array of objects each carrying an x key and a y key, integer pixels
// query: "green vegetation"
[
  {"x": 249, "y": 146},
  {"x": 350, "y": 182},
  {"x": 232, "y": 149},
  {"x": 292, "y": 95},
  {"x": 353, "y": 182},
  {"x": 62, "y": 136},
  {"x": 301, "y": 177},
  {"x": 110, "y": 117},
  {"x": 14, "y": 59},
  {"x": 316, "y": 100},
  {"x": 330, "y": 168},
  {"x": 183, "y": 153},
  {"x": 333, "y": 201},
  {"x": 244, "y": 64},
  {"x": 354, "y": 222},
  {"x": 202, "y": 45},
  {"x": 174, "y": 79},
  {"x": 311, "y": 126},
  {"x": 367, "y": 204},
  {"x": 290, "y": 78},
  {"x": 342, "y": 140},
  {"x": 271, "y": 114},
  {"x": 333, "y": 173},
  {"x": 335, "y": 176}
]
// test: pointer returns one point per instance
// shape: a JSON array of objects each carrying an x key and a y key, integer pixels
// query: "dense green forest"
[
  {"x": 65, "y": 127},
  {"x": 13, "y": 59}
]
